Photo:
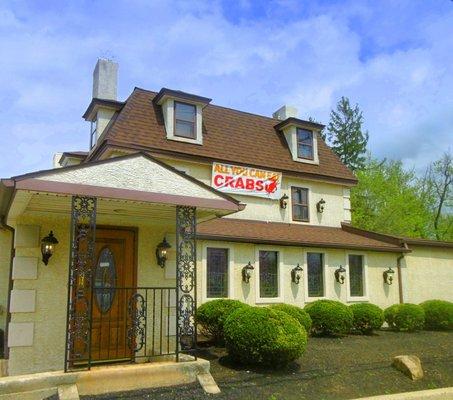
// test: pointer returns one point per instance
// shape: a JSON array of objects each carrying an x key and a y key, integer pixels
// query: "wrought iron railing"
[
  {"x": 132, "y": 324},
  {"x": 125, "y": 323}
]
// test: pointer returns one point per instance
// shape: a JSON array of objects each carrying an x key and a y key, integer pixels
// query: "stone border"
[
  {"x": 102, "y": 380},
  {"x": 434, "y": 394}
]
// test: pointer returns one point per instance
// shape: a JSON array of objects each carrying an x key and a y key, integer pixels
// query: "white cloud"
[{"x": 398, "y": 67}]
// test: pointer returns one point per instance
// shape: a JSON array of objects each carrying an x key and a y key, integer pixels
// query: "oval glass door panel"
[{"x": 104, "y": 280}]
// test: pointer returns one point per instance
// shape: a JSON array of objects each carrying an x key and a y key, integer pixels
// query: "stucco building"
[{"x": 179, "y": 201}]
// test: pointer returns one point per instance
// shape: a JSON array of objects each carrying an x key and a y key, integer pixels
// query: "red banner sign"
[{"x": 246, "y": 181}]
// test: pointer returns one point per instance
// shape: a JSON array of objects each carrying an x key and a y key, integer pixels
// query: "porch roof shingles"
[
  {"x": 228, "y": 135},
  {"x": 230, "y": 229}
]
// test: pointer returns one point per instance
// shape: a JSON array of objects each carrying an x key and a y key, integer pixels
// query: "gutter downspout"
[
  {"x": 5, "y": 226},
  {"x": 400, "y": 278}
]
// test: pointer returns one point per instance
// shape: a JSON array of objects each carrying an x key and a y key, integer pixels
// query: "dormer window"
[
  {"x": 185, "y": 120},
  {"x": 99, "y": 113},
  {"x": 304, "y": 144},
  {"x": 93, "y": 134},
  {"x": 302, "y": 138},
  {"x": 183, "y": 115}
]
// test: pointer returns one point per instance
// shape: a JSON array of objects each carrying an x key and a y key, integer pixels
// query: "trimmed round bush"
[
  {"x": 389, "y": 315},
  {"x": 329, "y": 317},
  {"x": 264, "y": 336},
  {"x": 367, "y": 317},
  {"x": 438, "y": 314},
  {"x": 405, "y": 317},
  {"x": 212, "y": 315},
  {"x": 296, "y": 312}
]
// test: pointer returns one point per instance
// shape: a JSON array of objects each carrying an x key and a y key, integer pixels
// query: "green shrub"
[
  {"x": 405, "y": 317},
  {"x": 367, "y": 317},
  {"x": 389, "y": 315},
  {"x": 438, "y": 314},
  {"x": 212, "y": 315},
  {"x": 296, "y": 312},
  {"x": 262, "y": 335},
  {"x": 329, "y": 317}
]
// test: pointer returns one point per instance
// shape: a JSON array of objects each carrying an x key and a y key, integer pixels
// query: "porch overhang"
[
  {"x": 65, "y": 188},
  {"x": 137, "y": 178}
]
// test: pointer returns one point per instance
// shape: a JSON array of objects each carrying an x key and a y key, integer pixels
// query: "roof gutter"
[
  {"x": 400, "y": 274},
  {"x": 238, "y": 239}
]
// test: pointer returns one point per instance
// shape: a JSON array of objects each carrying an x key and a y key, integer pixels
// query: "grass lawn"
[{"x": 346, "y": 368}]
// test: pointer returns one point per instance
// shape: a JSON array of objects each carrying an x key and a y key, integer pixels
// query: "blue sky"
[{"x": 394, "y": 58}]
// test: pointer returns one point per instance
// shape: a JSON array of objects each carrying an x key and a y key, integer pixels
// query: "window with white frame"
[
  {"x": 315, "y": 275},
  {"x": 217, "y": 273},
  {"x": 268, "y": 276},
  {"x": 356, "y": 275},
  {"x": 305, "y": 144},
  {"x": 185, "y": 120}
]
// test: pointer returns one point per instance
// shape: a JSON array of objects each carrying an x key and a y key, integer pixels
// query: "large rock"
[{"x": 409, "y": 365}]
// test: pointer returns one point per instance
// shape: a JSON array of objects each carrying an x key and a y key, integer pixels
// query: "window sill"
[
  {"x": 185, "y": 140},
  {"x": 306, "y": 160},
  {"x": 312, "y": 299},
  {"x": 357, "y": 299},
  {"x": 205, "y": 299},
  {"x": 269, "y": 300}
]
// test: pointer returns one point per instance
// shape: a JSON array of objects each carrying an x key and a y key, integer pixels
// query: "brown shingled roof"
[
  {"x": 428, "y": 242},
  {"x": 399, "y": 240},
  {"x": 239, "y": 230},
  {"x": 228, "y": 135}
]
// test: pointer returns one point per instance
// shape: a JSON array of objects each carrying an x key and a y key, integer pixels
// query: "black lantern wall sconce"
[
  {"x": 340, "y": 274},
  {"x": 284, "y": 201},
  {"x": 48, "y": 244},
  {"x": 247, "y": 272},
  {"x": 320, "y": 206},
  {"x": 161, "y": 252},
  {"x": 388, "y": 276},
  {"x": 296, "y": 274}
]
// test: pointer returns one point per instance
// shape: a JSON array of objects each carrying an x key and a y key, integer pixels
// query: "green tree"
[
  {"x": 437, "y": 185},
  {"x": 346, "y": 136},
  {"x": 388, "y": 199},
  {"x": 321, "y": 132}
]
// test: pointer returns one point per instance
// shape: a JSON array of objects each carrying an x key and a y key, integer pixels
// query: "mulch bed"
[{"x": 331, "y": 368}]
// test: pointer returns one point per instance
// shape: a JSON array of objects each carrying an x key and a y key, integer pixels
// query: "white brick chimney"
[
  {"x": 105, "y": 80},
  {"x": 285, "y": 112}
]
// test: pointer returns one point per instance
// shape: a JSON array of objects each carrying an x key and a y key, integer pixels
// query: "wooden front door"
[{"x": 114, "y": 280}]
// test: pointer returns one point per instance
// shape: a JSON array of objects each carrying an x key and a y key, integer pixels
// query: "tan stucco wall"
[
  {"x": 5, "y": 260},
  {"x": 269, "y": 210},
  {"x": 103, "y": 118},
  {"x": 427, "y": 274},
  {"x": 135, "y": 173},
  {"x": 49, "y": 318},
  {"x": 376, "y": 263}
]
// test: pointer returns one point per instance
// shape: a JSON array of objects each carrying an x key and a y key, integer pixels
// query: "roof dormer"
[
  {"x": 301, "y": 135},
  {"x": 183, "y": 115}
]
